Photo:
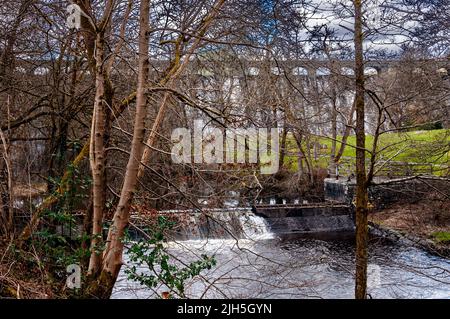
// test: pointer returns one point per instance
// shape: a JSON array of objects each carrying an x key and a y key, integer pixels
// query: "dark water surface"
[{"x": 270, "y": 267}]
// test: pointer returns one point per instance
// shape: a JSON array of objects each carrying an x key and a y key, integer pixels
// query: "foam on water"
[
  {"x": 297, "y": 269},
  {"x": 255, "y": 227},
  {"x": 223, "y": 224}
]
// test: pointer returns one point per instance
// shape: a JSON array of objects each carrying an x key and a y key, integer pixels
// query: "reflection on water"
[{"x": 302, "y": 268}]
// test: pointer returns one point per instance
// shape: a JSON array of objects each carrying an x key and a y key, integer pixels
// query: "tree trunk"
[
  {"x": 8, "y": 209},
  {"x": 112, "y": 256},
  {"x": 361, "y": 186},
  {"x": 333, "y": 163},
  {"x": 346, "y": 134},
  {"x": 97, "y": 156},
  {"x": 151, "y": 140},
  {"x": 283, "y": 145}
]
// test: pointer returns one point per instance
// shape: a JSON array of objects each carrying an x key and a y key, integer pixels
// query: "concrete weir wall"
[{"x": 306, "y": 219}]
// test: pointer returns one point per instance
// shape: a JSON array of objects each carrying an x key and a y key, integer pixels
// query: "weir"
[
  {"x": 307, "y": 219},
  {"x": 231, "y": 223},
  {"x": 258, "y": 222}
]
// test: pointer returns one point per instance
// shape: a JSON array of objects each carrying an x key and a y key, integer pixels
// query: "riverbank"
[{"x": 425, "y": 223}]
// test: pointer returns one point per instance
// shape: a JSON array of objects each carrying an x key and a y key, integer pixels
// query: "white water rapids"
[{"x": 260, "y": 265}]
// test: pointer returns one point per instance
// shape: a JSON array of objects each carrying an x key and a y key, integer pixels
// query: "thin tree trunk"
[
  {"x": 347, "y": 130},
  {"x": 283, "y": 145},
  {"x": 332, "y": 165},
  {"x": 97, "y": 157},
  {"x": 112, "y": 257},
  {"x": 361, "y": 186},
  {"x": 309, "y": 159},
  {"x": 298, "y": 139},
  {"x": 9, "y": 210},
  {"x": 151, "y": 140}
]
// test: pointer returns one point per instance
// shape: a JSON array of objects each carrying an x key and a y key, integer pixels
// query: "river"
[{"x": 267, "y": 266}]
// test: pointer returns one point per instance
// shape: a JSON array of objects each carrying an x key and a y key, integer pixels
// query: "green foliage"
[
  {"x": 442, "y": 237},
  {"x": 152, "y": 253},
  {"x": 59, "y": 241}
]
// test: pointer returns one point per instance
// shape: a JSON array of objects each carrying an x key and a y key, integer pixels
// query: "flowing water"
[{"x": 262, "y": 265}]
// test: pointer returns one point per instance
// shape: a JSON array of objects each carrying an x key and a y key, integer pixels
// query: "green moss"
[{"x": 441, "y": 237}]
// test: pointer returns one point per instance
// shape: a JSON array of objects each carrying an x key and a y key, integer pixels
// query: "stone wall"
[{"x": 381, "y": 194}]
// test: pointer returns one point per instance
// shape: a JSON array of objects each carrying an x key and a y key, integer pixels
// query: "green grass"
[
  {"x": 412, "y": 147},
  {"x": 441, "y": 237}
]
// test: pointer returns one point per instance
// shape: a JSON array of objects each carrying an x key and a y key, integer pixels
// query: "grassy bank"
[{"x": 425, "y": 147}]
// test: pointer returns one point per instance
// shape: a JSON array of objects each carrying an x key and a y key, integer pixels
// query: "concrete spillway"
[
  {"x": 306, "y": 219},
  {"x": 261, "y": 221}
]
